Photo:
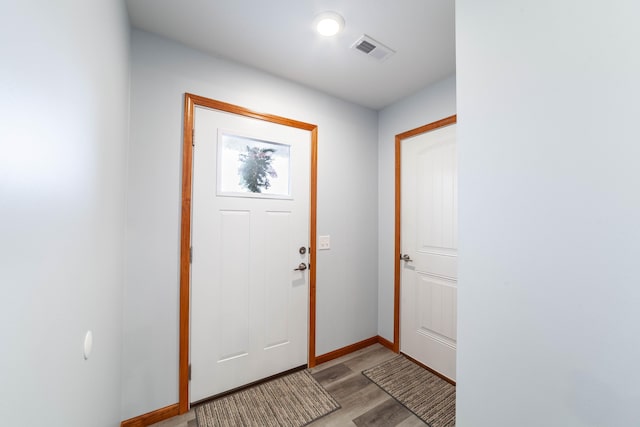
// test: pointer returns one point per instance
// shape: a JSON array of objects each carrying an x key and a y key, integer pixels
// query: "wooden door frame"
[
  {"x": 396, "y": 284},
  {"x": 190, "y": 102}
]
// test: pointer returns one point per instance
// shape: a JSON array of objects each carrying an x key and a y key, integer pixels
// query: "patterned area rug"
[
  {"x": 432, "y": 399},
  {"x": 291, "y": 401}
]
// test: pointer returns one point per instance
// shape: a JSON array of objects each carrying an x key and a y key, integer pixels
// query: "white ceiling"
[{"x": 277, "y": 36}]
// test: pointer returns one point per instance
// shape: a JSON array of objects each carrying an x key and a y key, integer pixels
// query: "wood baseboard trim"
[
  {"x": 437, "y": 374},
  {"x": 152, "y": 417},
  {"x": 353, "y": 347},
  {"x": 386, "y": 343},
  {"x": 346, "y": 350}
]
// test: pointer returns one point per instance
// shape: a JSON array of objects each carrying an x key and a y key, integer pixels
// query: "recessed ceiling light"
[{"x": 329, "y": 23}]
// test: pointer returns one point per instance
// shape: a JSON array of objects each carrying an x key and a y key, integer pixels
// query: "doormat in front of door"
[
  {"x": 294, "y": 400},
  {"x": 431, "y": 398}
]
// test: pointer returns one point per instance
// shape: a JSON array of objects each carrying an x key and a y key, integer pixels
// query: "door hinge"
[
  {"x": 193, "y": 137},
  {"x": 190, "y": 254},
  {"x": 189, "y": 371}
]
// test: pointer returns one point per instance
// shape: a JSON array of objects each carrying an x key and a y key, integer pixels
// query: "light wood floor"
[{"x": 362, "y": 402}]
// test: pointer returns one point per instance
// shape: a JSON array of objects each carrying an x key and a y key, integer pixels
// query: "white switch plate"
[{"x": 324, "y": 243}]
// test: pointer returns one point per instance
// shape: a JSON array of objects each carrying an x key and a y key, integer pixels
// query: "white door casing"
[
  {"x": 249, "y": 308},
  {"x": 428, "y": 284}
]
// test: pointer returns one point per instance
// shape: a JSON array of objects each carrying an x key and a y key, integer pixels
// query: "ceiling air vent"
[{"x": 372, "y": 48}]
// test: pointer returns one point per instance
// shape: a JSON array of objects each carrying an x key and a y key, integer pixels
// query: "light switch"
[{"x": 324, "y": 243}]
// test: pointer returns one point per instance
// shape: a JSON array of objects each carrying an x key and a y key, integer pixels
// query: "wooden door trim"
[
  {"x": 190, "y": 102},
  {"x": 396, "y": 284}
]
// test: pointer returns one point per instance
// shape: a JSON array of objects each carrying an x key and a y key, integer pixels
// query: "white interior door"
[
  {"x": 428, "y": 287},
  {"x": 249, "y": 307}
]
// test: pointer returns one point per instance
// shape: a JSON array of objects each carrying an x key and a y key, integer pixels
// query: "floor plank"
[{"x": 388, "y": 413}]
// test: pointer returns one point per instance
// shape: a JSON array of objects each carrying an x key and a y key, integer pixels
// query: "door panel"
[
  {"x": 249, "y": 308},
  {"x": 277, "y": 271},
  {"x": 438, "y": 295},
  {"x": 233, "y": 289},
  {"x": 428, "y": 286}
]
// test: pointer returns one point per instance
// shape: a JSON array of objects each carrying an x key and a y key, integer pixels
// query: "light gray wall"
[
  {"x": 433, "y": 103},
  {"x": 549, "y": 205},
  {"x": 64, "y": 81},
  {"x": 162, "y": 71}
]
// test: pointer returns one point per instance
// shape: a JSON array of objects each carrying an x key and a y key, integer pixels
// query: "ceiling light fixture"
[{"x": 329, "y": 23}]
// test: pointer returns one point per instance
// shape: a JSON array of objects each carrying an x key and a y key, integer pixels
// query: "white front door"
[
  {"x": 428, "y": 286},
  {"x": 249, "y": 307}
]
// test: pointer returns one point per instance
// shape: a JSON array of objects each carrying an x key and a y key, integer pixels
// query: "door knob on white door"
[
  {"x": 406, "y": 258},
  {"x": 301, "y": 267}
]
